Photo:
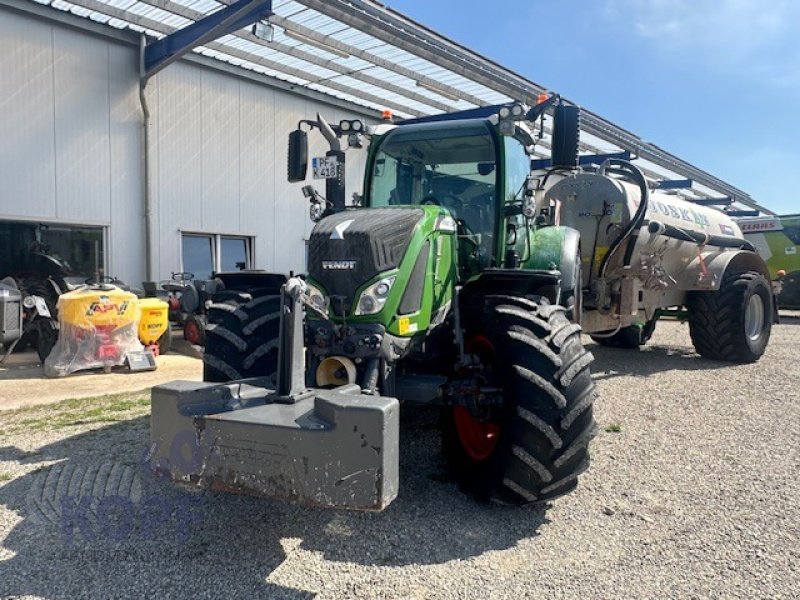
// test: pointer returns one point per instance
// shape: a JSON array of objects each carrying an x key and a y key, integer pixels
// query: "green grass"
[
  {"x": 4, "y": 476},
  {"x": 109, "y": 408},
  {"x": 613, "y": 428}
]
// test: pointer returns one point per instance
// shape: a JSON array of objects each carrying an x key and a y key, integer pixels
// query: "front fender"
[{"x": 556, "y": 248}]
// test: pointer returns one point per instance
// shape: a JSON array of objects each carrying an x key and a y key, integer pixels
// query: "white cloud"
[{"x": 758, "y": 35}]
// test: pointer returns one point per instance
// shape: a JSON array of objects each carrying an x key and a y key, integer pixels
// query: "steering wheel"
[{"x": 183, "y": 276}]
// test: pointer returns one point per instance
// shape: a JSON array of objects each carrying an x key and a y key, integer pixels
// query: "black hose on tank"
[
  {"x": 623, "y": 167},
  {"x": 696, "y": 237}
]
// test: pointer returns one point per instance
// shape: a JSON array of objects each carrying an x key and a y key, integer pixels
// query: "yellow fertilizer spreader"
[{"x": 100, "y": 326}]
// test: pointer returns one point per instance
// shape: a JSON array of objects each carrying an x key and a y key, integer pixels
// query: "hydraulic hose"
[{"x": 623, "y": 167}]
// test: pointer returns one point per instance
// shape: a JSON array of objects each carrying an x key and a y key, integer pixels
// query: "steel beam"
[
  {"x": 445, "y": 90},
  {"x": 742, "y": 213},
  {"x": 724, "y": 201},
  {"x": 325, "y": 40},
  {"x": 195, "y": 15},
  {"x": 170, "y": 48},
  {"x": 673, "y": 184},
  {"x": 154, "y": 25}
]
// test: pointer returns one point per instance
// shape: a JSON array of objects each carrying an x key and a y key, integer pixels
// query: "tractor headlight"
[
  {"x": 374, "y": 297},
  {"x": 316, "y": 298}
]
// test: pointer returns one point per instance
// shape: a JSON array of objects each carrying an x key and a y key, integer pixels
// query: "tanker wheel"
[
  {"x": 165, "y": 341},
  {"x": 532, "y": 448},
  {"x": 194, "y": 331},
  {"x": 630, "y": 337},
  {"x": 242, "y": 336},
  {"x": 734, "y": 322}
]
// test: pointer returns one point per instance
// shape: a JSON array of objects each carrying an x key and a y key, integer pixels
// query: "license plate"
[
  {"x": 325, "y": 167},
  {"x": 41, "y": 307}
]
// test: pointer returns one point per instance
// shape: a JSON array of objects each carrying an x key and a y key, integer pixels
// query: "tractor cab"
[{"x": 464, "y": 167}]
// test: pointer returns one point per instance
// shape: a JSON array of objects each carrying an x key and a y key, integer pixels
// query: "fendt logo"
[
  {"x": 338, "y": 230},
  {"x": 338, "y": 265}
]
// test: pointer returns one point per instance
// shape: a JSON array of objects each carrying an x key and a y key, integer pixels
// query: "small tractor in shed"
[{"x": 460, "y": 279}]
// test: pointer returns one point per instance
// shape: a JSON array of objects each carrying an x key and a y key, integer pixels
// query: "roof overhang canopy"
[{"x": 367, "y": 54}]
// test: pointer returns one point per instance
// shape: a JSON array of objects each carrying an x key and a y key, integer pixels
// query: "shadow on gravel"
[
  {"x": 228, "y": 544},
  {"x": 648, "y": 360}
]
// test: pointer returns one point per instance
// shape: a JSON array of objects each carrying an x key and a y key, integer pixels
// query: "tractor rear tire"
[
  {"x": 545, "y": 424},
  {"x": 631, "y": 337},
  {"x": 241, "y": 336},
  {"x": 734, "y": 322}
]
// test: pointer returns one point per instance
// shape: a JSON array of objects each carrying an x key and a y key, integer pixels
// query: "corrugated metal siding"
[
  {"x": 69, "y": 102},
  {"x": 221, "y": 163},
  {"x": 82, "y": 122},
  {"x": 27, "y": 154},
  {"x": 291, "y": 207},
  {"x": 221, "y": 156},
  {"x": 177, "y": 152},
  {"x": 126, "y": 249},
  {"x": 258, "y": 141}
]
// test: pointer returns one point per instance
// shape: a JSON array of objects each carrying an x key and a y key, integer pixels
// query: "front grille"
[
  {"x": 10, "y": 313},
  {"x": 374, "y": 241}
]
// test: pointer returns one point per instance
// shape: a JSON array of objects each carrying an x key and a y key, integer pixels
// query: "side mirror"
[
  {"x": 566, "y": 132},
  {"x": 298, "y": 156}
]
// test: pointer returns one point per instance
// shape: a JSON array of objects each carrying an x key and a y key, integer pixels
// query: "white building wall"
[{"x": 71, "y": 126}]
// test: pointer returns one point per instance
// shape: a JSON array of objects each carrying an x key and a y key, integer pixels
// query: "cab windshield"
[{"x": 454, "y": 168}]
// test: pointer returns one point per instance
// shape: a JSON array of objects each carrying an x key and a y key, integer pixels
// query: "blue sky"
[{"x": 716, "y": 82}]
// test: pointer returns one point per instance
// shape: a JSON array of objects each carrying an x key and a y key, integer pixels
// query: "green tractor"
[{"x": 440, "y": 287}]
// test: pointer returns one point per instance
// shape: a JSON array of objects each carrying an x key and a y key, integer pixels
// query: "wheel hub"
[
  {"x": 478, "y": 438},
  {"x": 754, "y": 317},
  {"x": 191, "y": 332}
]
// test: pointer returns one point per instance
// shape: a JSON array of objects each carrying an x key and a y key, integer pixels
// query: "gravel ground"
[
  {"x": 693, "y": 493},
  {"x": 22, "y": 380}
]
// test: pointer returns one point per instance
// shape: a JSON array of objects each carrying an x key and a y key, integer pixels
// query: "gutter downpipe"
[{"x": 147, "y": 200}]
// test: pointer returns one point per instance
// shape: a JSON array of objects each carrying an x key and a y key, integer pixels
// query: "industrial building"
[{"x": 136, "y": 160}]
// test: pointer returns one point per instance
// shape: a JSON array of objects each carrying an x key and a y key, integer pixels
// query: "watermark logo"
[{"x": 113, "y": 501}]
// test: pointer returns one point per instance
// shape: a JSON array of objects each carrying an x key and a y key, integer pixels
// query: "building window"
[
  {"x": 206, "y": 254},
  {"x": 233, "y": 253}
]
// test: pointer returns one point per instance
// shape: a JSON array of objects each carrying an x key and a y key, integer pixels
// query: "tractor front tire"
[
  {"x": 241, "y": 336},
  {"x": 545, "y": 424},
  {"x": 734, "y": 322}
]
